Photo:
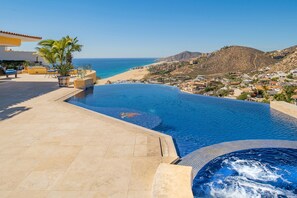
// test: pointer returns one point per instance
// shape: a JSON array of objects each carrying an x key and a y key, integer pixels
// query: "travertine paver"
[
  {"x": 55, "y": 149},
  {"x": 173, "y": 181}
]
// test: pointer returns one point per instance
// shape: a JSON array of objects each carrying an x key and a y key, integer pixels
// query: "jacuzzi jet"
[
  {"x": 252, "y": 169},
  {"x": 242, "y": 187},
  {"x": 248, "y": 174}
]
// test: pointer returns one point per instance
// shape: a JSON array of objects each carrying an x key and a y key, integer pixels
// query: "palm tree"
[
  {"x": 59, "y": 47},
  {"x": 48, "y": 55},
  {"x": 73, "y": 46},
  {"x": 46, "y": 43},
  {"x": 46, "y": 51},
  {"x": 60, "y": 51}
]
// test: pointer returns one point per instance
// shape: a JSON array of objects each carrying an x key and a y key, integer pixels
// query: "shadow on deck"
[{"x": 13, "y": 93}]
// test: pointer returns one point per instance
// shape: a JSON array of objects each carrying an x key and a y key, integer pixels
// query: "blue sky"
[{"x": 155, "y": 28}]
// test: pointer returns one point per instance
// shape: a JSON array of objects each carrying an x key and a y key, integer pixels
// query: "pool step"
[{"x": 168, "y": 151}]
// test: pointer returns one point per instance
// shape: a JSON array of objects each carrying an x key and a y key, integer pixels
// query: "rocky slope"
[
  {"x": 183, "y": 56},
  {"x": 287, "y": 59},
  {"x": 228, "y": 59},
  {"x": 231, "y": 59},
  {"x": 280, "y": 54}
]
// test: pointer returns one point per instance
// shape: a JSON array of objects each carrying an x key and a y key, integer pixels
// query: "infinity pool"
[{"x": 194, "y": 121}]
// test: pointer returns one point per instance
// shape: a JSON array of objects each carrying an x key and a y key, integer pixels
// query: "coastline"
[
  {"x": 132, "y": 74},
  {"x": 135, "y": 74},
  {"x": 108, "y": 67}
]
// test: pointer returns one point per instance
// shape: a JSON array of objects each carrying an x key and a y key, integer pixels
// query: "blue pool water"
[
  {"x": 194, "y": 121},
  {"x": 106, "y": 67},
  {"x": 267, "y": 172}
]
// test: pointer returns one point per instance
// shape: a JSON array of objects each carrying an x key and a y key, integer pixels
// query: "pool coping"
[
  {"x": 199, "y": 158},
  {"x": 285, "y": 108}
]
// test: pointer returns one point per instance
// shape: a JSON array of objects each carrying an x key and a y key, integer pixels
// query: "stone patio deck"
[{"x": 49, "y": 148}]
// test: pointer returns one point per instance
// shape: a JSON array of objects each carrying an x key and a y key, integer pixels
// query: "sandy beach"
[{"x": 134, "y": 74}]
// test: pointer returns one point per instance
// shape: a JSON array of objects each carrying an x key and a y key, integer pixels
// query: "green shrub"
[
  {"x": 274, "y": 79},
  {"x": 207, "y": 89},
  {"x": 280, "y": 97},
  {"x": 290, "y": 76},
  {"x": 243, "y": 96},
  {"x": 287, "y": 93},
  {"x": 266, "y": 101},
  {"x": 222, "y": 93}
]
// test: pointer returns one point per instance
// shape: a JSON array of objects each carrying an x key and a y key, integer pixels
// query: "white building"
[
  {"x": 294, "y": 73},
  {"x": 281, "y": 74},
  {"x": 9, "y": 39}
]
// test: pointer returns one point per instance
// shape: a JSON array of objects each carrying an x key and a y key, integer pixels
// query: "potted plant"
[
  {"x": 58, "y": 53},
  {"x": 64, "y": 77}
]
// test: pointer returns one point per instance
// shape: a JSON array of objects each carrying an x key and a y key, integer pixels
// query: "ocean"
[{"x": 107, "y": 67}]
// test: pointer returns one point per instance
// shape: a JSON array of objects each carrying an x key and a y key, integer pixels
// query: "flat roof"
[{"x": 23, "y": 37}]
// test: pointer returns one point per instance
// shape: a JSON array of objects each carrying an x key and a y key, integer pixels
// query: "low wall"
[
  {"x": 43, "y": 70},
  {"x": 83, "y": 83},
  {"x": 37, "y": 70},
  {"x": 284, "y": 107},
  {"x": 92, "y": 74},
  {"x": 173, "y": 181}
]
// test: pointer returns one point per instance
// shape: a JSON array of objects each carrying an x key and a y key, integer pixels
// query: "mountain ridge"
[
  {"x": 182, "y": 56},
  {"x": 233, "y": 59}
]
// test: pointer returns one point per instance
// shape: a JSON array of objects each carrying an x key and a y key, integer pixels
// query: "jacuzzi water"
[
  {"x": 194, "y": 121},
  {"x": 268, "y": 172}
]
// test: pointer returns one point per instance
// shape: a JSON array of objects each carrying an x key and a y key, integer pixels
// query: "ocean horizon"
[{"x": 107, "y": 67}]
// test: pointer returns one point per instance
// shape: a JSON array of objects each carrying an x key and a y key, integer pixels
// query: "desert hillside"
[
  {"x": 231, "y": 59},
  {"x": 287, "y": 59},
  {"x": 183, "y": 56}
]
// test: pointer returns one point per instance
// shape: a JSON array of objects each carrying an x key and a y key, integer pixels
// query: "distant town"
[{"x": 259, "y": 86}]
